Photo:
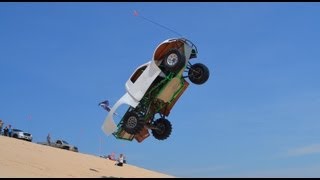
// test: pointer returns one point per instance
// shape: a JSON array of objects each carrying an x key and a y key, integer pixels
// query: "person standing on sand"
[
  {"x": 5, "y": 131},
  {"x": 10, "y": 131},
  {"x": 1, "y": 125},
  {"x": 49, "y": 139}
]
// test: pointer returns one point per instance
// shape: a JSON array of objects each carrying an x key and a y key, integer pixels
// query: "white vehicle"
[
  {"x": 59, "y": 143},
  {"x": 19, "y": 134},
  {"x": 153, "y": 89}
]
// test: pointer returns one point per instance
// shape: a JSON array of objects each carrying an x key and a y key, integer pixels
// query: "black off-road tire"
[
  {"x": 163, "y": 130},
  {"x": 198, "y": 73},
  {"x": 173, "y": 61},
  {"x": 132, "y": 124}
]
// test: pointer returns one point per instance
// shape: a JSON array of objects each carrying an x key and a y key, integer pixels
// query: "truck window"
[{"x": 139, "y": 71}]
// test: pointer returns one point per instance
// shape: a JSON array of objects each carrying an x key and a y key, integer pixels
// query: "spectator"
[
  {"x": 124, "y": 159},
  {"x": 1, "y": 124},
  {"x": 10, "y": 131},
  {"x": 112, "y": 156},
  {"x": 5, "y": 131},
  {"x": 49, "y": 139},
  {"x": 120, "y": 160}
]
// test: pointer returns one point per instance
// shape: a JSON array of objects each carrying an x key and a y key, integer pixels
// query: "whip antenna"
[{"x": 135, "y": 13}]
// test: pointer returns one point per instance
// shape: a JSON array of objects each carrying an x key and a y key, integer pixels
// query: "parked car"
[
  {"x": 153, "y": 89},
  {"x": 20, "y": 134},
  {"x": 61, "y": 144}
]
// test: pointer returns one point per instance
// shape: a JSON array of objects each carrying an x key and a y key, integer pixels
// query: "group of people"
[
  {"x": 120, "y": 161},
  {"x": 7, "y": 131}
]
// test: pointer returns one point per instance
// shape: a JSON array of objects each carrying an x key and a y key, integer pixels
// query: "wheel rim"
[
  {"x": 172, "y": 59},
  {"x": 132, "y": 122}
]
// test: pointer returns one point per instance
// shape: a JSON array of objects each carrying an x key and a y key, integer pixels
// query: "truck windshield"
[{"x": 65, "y": 142}]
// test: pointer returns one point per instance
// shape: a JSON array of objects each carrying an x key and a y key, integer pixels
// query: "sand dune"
[{"x": 20, "y": 158}]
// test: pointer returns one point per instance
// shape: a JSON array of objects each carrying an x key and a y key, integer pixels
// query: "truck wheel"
[
  {"x": 132, "y": 124},
  {"x": 198, "y": 73},
  {"x": 173, "y": 61},
  {"x": 163, "y": 129}
]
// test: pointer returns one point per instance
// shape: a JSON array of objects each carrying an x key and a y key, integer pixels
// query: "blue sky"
[{"x": 257, "y": 115}]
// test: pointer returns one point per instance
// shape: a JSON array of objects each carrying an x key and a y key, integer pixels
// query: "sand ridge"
[{"x": 23, "y": 159}]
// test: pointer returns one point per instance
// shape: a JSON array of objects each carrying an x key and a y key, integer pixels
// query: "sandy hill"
[{"x": 20, "y": 158}]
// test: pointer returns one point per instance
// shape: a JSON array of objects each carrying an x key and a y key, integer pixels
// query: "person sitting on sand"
[
  {"x": 111, "y": 156},
  {"x": 120, "y": 160},
  {"x": 124, "y": 159}
]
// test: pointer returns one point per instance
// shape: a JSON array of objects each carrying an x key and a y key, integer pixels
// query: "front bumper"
[{"x": 25, "y": 138}]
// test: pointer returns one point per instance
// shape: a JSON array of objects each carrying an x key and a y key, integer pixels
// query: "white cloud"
[{"x": 311, "y": 149}]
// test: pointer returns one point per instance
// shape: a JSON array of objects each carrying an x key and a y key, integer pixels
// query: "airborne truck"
[{"x": 153, "y": 89}]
